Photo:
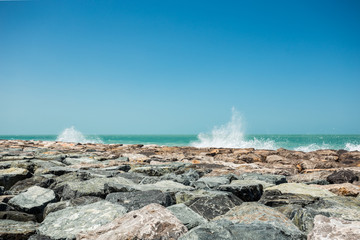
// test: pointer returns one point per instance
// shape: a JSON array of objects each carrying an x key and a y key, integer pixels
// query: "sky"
[{"x": 179, "y": 67}]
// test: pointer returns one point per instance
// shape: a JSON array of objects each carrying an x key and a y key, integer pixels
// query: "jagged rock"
[
  {"x": 342, "y": 176},
  {"x": 185, "y": 196},
  {"x": 17, "y": 216},
  {"x": 23, "y": 185},
  {"x": 165, "y": 186},
  {"x": 67, "y": 223},
  {"x": 187, "y": 178},
  {"x": 133, "y": 176},
  {"x": 74, "y": 161},
  {"x": 34, "y": 200},
  {"x": 246, "y": 192},
  {"x": 269, "y": 178},
  {"x": 136, "y": 200},
  {"x": 211, "y": 182},
  {"x": 53, "y": 207},
  {"x": 343, "y": 189},
  {"x": 334, "y": 228},
  {"x": 300, "y": 188},
  {"x": 253, "y": 181},
  {"x": 159, "y": 170},
  {"x": 312, "y": 177},
  {"x": 10, "y": 229},
  {"x": 275, "y": 198},
  {"x": 212, "y": 206},
  {"x": 92, "y": 187},
  {"x": 10, "y": 176},
  {"x": 187, "y": 216},
  {"x": 150, "y": 222},
  {"x": 59, "y": 170}
]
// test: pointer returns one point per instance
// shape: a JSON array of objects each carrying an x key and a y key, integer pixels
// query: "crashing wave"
[{"x": 72, "y": 135}]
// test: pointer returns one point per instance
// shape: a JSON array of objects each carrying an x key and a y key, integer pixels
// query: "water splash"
[
  {"x": 312, "y": 147},
  {"x": 72, "y": 135},
  {"x": 352, "y": 147},
  {"x": 231, "y": 135}
]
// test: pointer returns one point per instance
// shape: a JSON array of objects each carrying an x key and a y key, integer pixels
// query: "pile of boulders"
[{"x": 55, "y": 190}]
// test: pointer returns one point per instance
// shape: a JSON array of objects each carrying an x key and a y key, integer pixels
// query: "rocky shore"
[{"x": 57, "y": 190}]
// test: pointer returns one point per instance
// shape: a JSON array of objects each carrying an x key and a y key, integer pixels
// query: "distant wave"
[
  {"x": 72, "y": 135},
  {"x": 231, "y": 135},
  {"x": 312, "y": 147},
  {"x": 352, "y": 147}
]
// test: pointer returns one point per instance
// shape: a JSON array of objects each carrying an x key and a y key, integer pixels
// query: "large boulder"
[
  {"x": 150, "y": 222},
  {"x": 334, "y": 228},
  {"x": 10, "y": 176},
  {"x": 342, "y": 176},
  {"x": 269, "y": 178},
  {"x": 34, "y": 200},
  {"x": 342, "y": 189},
  {"x": 212, "y": 206},
  {"x": 10, "y": 229},
  {"x": 160, "y": 170},
  {"x": 187, "y": 216},
  {"x": 165, "y": 186},
  {"x": 275, "y": 198},
  {"x": 211, "y": 182},
  {"x": 136, "y": 200},
  {"x": 300, "y": 188},
  {"x": 41, "y": 181},
  {"x": 247, "y": 192},
  {"x": 67, "y": 223}
]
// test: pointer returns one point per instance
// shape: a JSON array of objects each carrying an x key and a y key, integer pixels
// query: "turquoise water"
[{"x": 297, "y": 142}]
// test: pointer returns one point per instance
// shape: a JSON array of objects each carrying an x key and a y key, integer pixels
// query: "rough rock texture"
[
  {"x": 17, "y": 216},
  {"x": 33, "y": 200},
  {"x": 187, "y": 216},
  {"x": 269, "y": 178},
  {"x": 342, "y": 189},
  {"x": 136, "y": 200},
  {"x": 246, "y": 192},
  {"x": 165, "y": 186},
  {"x": 10, "y": 176},
  {"x": 300, "y": 188},
  {"x": 212, "y": 206},
  {"x": 150, "y": 222},
  {"x": 210, "y": 182},
  {"x": 342, "y": 176},
  {"x": 10, "y": 230},
  {"x": 159, "y": 170},
  {"x": 66, "y": 223},
  {"x": 334, "y": 228}
]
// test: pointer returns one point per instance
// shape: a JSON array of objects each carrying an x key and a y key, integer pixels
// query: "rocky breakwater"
[{"x": 56, "y": 190}]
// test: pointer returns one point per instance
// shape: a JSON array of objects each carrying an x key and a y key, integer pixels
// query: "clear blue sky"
[{"x": 120, "y": 67}]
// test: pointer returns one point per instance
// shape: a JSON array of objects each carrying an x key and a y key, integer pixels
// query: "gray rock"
[
  {"x": 187, "y": 216},
  {"x": 342, "y": 176},
  {"x": 133, "y": 176},
  {"x": 212, "y": 206},
  {"x": 187, "y": 178},
  {"x": 334, "y": 228},
  {"x": 246, "y": 192},
  {"x": 252, "y": 181},
  {"x": 41, "y": 181},
  {"x": 160, "y": 170},
  {"x": 211, "y": 182},
  {"x": 185, "y": 196},
  {"x": 300, "y": 188},
  {"x": 275, "y": 198},
  {"x": 269, "y": 178},
  {"x": 33, "y": 200},
  {"x": 10, "y": 176},
  {"x": 17, "y": 216},
  {"x": 165, "y": 186},
  {"x": 74, "y": 161},
  {"x": 10, "y": 229},
  {"x": 136, "y": 200},
  {"x": 67, "y": 223}
]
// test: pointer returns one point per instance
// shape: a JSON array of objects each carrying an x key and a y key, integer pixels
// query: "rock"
[
  {"x": 212, "y": 206},
  {"x": 187, "y": 178},
  {"x": 133, "y": 176},
  {"x": 23, "y": 185},
  {"x": 246, "y": 192},
  {"x": 10, "y": 229},
  {"x": 342, "y": 176},
  {"x": 251, "y": 157},
  {"x": 187, "y": 216},
  {"x": 67, "y": 223},
  {"x": 10, "y": 176},
  {"x": 312, "y": 177},
  {"x": 74, "y": 161},
  {"x": 334, "y": 228},
  {"x": 210, "y": 182},
  {"x": 150, "y": 222},
  {"x": 343, "y": 189},
  {"x": 300, "y": 188},
  {"x": 17, "y": 216},
  {"x": 275, "y": 198},
  {"x": 92, "y": 187},
  {"x": 159, "y": 170},
  {"x": 116, "y": 187},
  {"x": 269, "y": 178},
  {"x": 53, "y": 207},
  {"x": 136, "y": 200},
  {"x": 34, "y": 200},
  {"x": 165, "y": 186},
  {"x": 249, "y": 182},
  {"x": 185, "y": 196}
]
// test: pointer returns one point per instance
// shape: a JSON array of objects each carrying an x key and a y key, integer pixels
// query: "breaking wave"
[
  {"x": 231, "y": 135},
  {"x": 72, "y": 135},
  {"x": 312, "y": 147},
  {"x": 352, "y": 147}
]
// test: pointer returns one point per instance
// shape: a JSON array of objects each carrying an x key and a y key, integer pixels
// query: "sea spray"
[
  {"x": 231, "y": 135},
  {"x": 72, "y": 135}
]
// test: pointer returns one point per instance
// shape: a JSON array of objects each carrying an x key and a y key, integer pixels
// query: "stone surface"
[
  {"x": 33, "y": 200},
  {"x": 150, "y": 222},
  {"x": 334, "y": 228},
  {"x": 165, "y": 186},
  {"x": 269, "y": 178},
  {"x": 136, "y": 200},
  {"x": 342, "y": 189},
  {"x": 210, "y": 182},
  {"x": 212, "y": 206},
  {"x": 342, "y": 176},
  {"x": 10, "y": 176},
  {"x": 252, "y": 181},
  {"x": 300, "y": 188},
  {"x": 13, "y": 230},
  {"x": 187, "y": 216},
  {"x": 23, "y": 185},
  {"x": 159, "y": 170},
  {"x": 246, "y": 192},
  {"x": 275, "y": 198},
  {"x": 67, "y": 223},
  {"x": 17, "y": 216}
]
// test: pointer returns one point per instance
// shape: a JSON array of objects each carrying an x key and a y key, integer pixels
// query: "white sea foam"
[
  {"x": 352, "y": 147},
  {"x": 312, "y": 147},
  {"x": 72, "y": 135},
  {"x": 231, "y": 135}
]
